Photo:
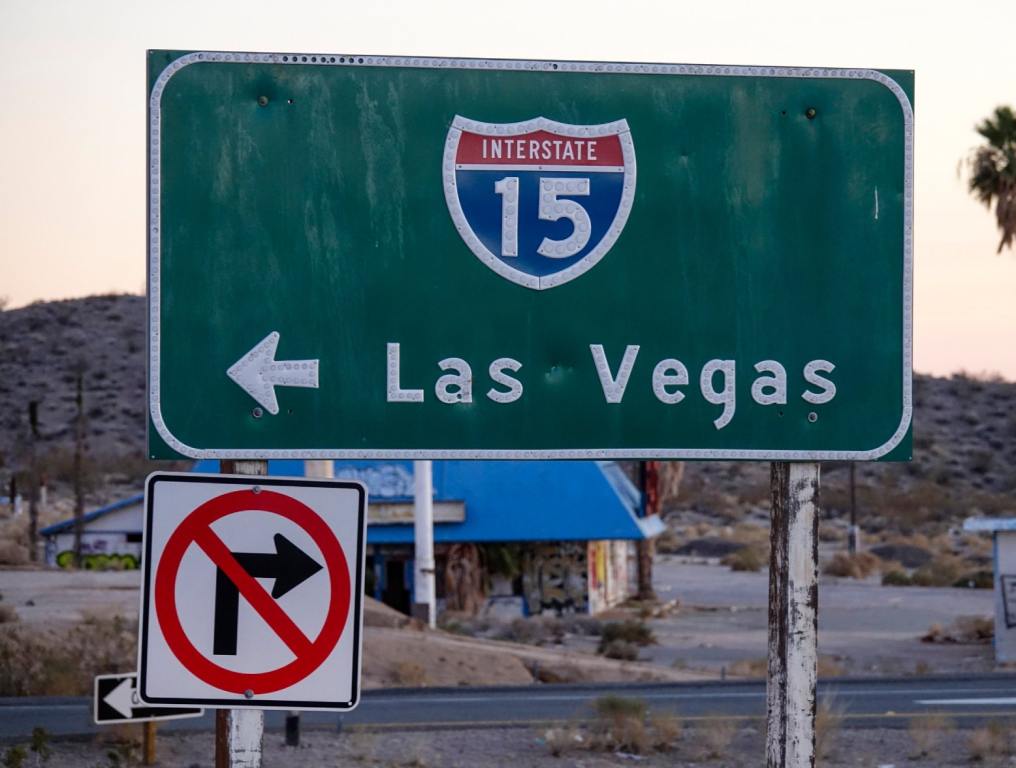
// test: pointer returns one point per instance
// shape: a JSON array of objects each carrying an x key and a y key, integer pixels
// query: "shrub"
[
  {"x": 965, "y": 630},
  {"x": 7, "y": 614},
  {"x": 619, "y": 649},
  {"x": 896, "y": 578},
  {"x": 714, "y": 736},
  {"x": 928, "y": 732},
  {"x": 15, "y": 757},
  {"x": 942, "y": 571},
  {"x": 13, "y": 553},
  {"x": 635, "y": 632},
  {"x": 559, "y": 741},
  {"x": 64, "y": 663},
  {"x": 859, "y": 565},
  {"x": 665, "y": 731},
  {"x": 621, "y": 724},
  {"x": 828, "y": 724},
  {"x": 976, "y": 580},
  {"x": 749, "y": 558},
  {"x": 989, "y": 741}
]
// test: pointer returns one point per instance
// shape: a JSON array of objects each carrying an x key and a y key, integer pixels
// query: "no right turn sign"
[{"x": 252, "y": 592}]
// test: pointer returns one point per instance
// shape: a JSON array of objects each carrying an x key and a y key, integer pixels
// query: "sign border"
[
  {"x": 532, "y": 65},
  {"x": 95, "y": 704},
  {"x": 356, "y": 587}
]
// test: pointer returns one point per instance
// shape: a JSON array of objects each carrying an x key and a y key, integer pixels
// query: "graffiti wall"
[
  {"x": 554, "y": 578},
  {"x": 99, "y": 551},
  {"x": 610, "y": 577}
]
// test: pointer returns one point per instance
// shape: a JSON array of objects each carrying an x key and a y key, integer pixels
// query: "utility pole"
[
  {"x": 793, "y": 616},
  {"x": 33, "y": 480},
  {"x": 649, "y": 481},
  {"x": 239, "y": 733},
  {"x": 424, "y": 592},
  {"x": 79, "y": 465}
]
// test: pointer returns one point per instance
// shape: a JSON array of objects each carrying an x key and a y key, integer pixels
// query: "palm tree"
[{"x": 993, "y": 171}]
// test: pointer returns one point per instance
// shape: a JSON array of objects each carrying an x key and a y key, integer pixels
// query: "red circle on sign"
[{"x": 199, "y": 521}]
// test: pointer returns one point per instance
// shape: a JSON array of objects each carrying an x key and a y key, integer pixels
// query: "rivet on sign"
[
  {"x": 810, "y": 113},
  {"x": 256, "y": 489},
  {"x": 257, "y": 413},
  {"x": 262, "y": 101},
  {"x": 249, "y": 693},
  {"x": 813, "y": 417}
]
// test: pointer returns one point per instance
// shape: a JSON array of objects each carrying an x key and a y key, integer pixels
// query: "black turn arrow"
[{"x": 289, "y": 565}]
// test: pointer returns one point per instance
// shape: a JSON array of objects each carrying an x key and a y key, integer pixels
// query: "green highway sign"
[{"x": 356, "y": 256}]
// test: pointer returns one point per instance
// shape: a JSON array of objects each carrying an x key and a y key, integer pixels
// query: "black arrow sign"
[{"x": 289, "y": 565}]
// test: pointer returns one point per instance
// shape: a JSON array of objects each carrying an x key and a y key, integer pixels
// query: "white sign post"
[{"x": 252, "y": 592}]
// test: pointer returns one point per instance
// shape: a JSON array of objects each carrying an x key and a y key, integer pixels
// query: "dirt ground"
[
  {"x": 718, "y": 629},
  {"x": 864, "y": 627},
  {"x": 397, "y": 652},
  {"x": 722, "y": 744}
]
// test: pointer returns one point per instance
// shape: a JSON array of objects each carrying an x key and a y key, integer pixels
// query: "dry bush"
[
  {"x": 828, "y": 532},
  {"x": 665, "y": 731},
  {"x": 941, "y": 571},
  {"x": 713, "y": 736},
  {"x": 747, "y": 533},
  {"x": 620, "y": 725},
  {"x": 619, "y": 650},
  {"x": 14, "y": 541},
  {"x": 13, "y": 553},
  {"x": 537, "y": 630},
  {"x": 8, "y": 614},
  {"x": 993, "y": 740},
  {"x": 859, "y": 565},
  {"x": 828, "y": 724},
  {"x": 668, "y": 542},
  {"x": 362, "y": 746},
  {"x": 928, "y": 732},
  {"x": 896, "y": 577},
  {"x": 561, "y": 741},
  {"x": 631, "y": 632},
  {"x": 965, "y": 630},
  {"x": 64, "y": 663},
  {"x": 749, "y": 558},
  {"x": 978, "y": 629},
  {"x": 409, "y": 674}
]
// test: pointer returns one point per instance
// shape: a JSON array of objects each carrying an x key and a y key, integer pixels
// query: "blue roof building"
[
  {"x": 527, "y": 536},
  {"x": 504, "y": 501}
]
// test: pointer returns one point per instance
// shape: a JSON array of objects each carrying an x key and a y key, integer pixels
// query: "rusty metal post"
[
  {"x": 793, "y": 616},
  {"x": 239, "y": 733},
  {"x": 148, "y": 743},
  {"x": 649, "y": 480}
]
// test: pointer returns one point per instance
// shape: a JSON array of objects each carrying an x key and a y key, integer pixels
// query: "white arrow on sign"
[
  {"x": 258, "y": 373},
  {"x": 121, "y": 699}
]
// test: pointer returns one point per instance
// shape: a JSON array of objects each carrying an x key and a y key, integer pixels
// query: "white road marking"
[{"x": 999, "y": 702}]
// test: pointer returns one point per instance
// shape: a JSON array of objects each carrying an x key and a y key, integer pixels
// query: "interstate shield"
[{"x": 539, "y": 202}]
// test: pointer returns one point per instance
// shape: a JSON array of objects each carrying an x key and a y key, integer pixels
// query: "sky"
[{"x": 72, "y": 116}]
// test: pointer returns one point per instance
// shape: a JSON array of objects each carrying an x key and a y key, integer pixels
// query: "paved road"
[{"x": 864, "y": 702}]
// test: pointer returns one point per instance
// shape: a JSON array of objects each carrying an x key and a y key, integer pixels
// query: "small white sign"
[{"x": 252, "y": 592}]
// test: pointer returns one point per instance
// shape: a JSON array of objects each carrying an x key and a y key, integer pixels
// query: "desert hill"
[{"x": 964, "y": 427}]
